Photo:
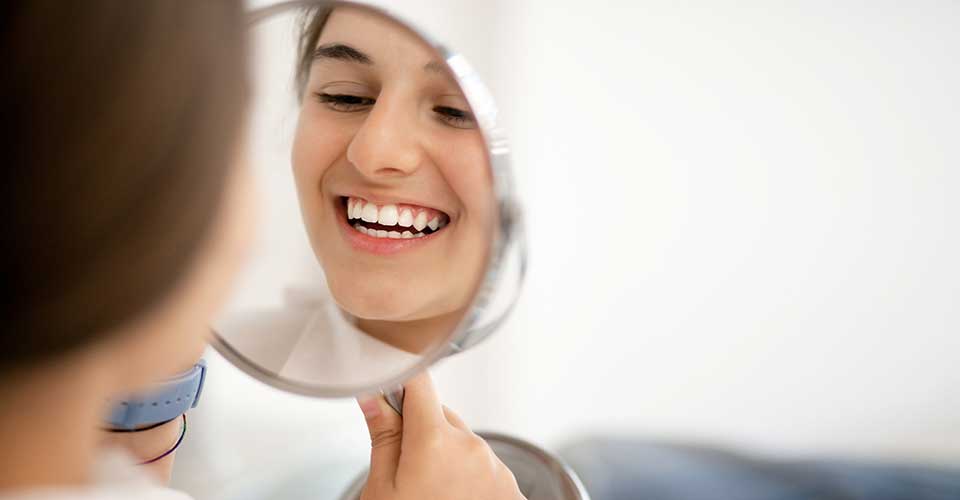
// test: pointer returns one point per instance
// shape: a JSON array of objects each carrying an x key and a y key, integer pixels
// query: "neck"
[
  {"x": 412, "y": 336},
  {"x": 49, "y": 420}
]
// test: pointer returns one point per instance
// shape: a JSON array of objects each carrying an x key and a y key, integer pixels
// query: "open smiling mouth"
[{"x": 393, "y": 221}]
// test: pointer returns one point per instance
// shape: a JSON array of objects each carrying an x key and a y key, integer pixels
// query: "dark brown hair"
[
  {"x": 312, "y": 21},
  {"x": 121, "y": 120}
]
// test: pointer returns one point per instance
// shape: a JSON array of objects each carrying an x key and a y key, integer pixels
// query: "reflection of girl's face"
[{"x": 391, "y": 173}]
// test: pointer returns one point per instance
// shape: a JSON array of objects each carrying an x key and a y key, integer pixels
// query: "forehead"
[{"x": 383, "y": 39}]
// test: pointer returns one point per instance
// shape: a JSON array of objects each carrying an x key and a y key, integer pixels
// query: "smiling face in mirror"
[
  {"x": 392, "y": 177},
  {"x": 389, "y": 192}
]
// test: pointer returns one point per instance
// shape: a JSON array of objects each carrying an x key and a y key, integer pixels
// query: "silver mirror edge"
[
  {"x": 510, "y": 237},
  {"x": 573, "y": 487}
]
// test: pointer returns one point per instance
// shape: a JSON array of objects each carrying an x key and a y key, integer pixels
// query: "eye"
[
  {"x": 455, "y": 117},
  {"x": 345, "y": 102}
]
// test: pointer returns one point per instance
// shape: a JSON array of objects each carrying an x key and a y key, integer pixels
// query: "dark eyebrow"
[{"x": 341, "y": 52}]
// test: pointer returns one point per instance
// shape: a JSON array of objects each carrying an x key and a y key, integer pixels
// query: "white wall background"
[
  {"x": 743, "y": 221},
  {"x": 742, "y": 229}
]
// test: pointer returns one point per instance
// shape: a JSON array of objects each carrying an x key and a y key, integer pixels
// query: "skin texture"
[
  {"x": 147, "y": 444},
  {"x": 394, "y": 148}
]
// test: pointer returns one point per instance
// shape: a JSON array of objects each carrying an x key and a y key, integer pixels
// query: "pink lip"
[{"x": 379, "y": 246}]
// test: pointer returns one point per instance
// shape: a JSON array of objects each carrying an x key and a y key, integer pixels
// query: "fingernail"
[{"x": 369, "y": 406}]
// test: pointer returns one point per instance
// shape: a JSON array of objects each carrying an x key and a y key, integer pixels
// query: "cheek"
[
  {"x": 320, "y": 145},
  {"x": 317, "y": 144},
  {"x": 467, "y": 171}
]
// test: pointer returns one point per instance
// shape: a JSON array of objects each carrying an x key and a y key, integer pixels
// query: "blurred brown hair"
[
  {"x": 312, "y": 21},
  {"x": 121, "y": 121}
]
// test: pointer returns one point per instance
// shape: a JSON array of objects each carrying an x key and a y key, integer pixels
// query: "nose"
[{"x": 388, "y": 144}]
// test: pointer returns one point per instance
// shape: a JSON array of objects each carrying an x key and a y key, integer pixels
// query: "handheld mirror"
[{"x": 391, "y": 237}]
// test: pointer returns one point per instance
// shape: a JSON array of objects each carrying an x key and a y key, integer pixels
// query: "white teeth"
[
  {"x": 388, "y": 215},
  {"x": 394, "y": 235},
  {"x": 391, "y": 215},
  {"x": 358, "y": 209},
  {"x": 406, "y": 218},
  {"x": 369, "y": 213},
  {"x": 380, "y": 233},
  {"x": 420, "y": 221},
  {"x": 355, "y": 208}
]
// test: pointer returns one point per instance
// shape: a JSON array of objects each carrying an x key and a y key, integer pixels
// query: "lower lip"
[{"x": 379, "y": 246}]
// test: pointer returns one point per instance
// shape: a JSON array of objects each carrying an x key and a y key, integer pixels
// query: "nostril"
[{"x": 390, "y": 172}]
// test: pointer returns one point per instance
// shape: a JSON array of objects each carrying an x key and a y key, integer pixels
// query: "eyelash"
[
  {"x": 455, "y": 117},
  {"x": 346, "y": 103}
]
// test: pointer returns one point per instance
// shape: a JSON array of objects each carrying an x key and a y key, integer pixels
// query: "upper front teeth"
[
  {"x": 388, "y": 215},
  {"x": 420, "y": 221},
  {"x": 391, "y": 215},
  {"x": 406, "y": 218},
  {"x": 369, "y": 213}
]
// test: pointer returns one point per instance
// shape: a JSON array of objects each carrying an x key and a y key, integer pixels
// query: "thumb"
[{"x": 386, "y": 433}]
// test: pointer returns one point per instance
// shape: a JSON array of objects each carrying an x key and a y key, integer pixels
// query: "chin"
[{"x": 378, "y": 304}]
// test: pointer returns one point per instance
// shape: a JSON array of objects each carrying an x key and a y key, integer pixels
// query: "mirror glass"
[{"x": 378, "y": 209}]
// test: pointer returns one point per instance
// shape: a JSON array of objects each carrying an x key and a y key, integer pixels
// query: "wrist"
[
  {"x": 160, "y": 403},
  {"x": 151, "y": 443}
]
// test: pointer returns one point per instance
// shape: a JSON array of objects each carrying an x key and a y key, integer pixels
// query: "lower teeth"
[{"x": 380, "y": 233}]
